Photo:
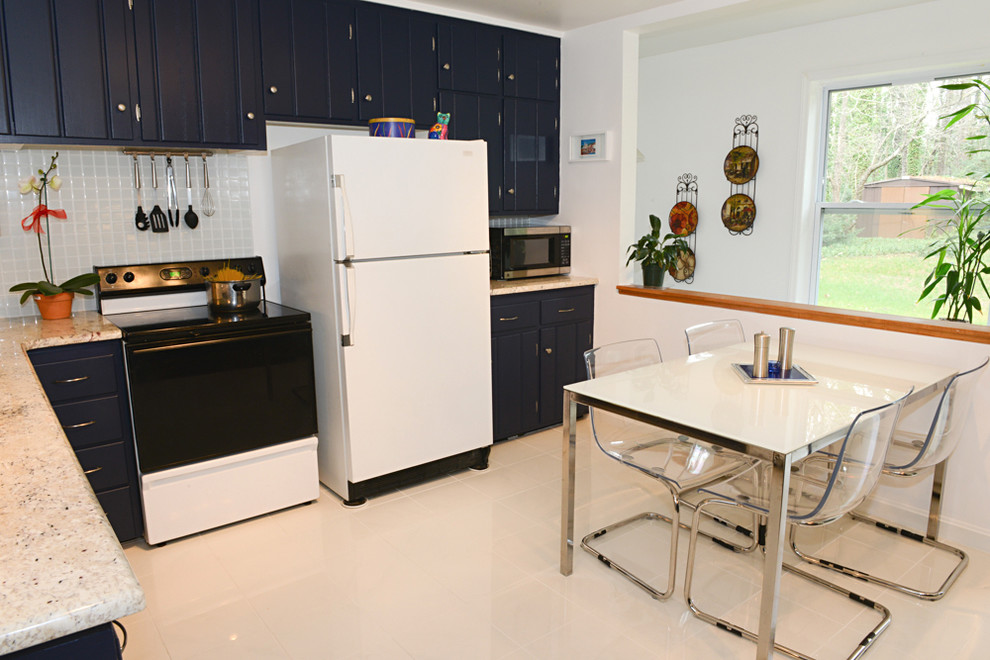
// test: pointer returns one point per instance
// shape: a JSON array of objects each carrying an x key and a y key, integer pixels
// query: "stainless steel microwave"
[{"x": 518, "y": 252}]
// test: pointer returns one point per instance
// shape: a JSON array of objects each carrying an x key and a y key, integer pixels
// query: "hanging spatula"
[
  {"x": 140, "y": 219},
  {"x": 192, "y": 220},
  {"x": 159, "y": 223}
]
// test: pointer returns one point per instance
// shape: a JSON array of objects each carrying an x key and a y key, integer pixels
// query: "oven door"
[{"x": 201, "y": 398}]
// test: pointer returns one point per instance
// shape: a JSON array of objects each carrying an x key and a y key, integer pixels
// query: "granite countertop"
[
  {"x": 500, "y": 287},
  {"x": 63, "y": 570}
]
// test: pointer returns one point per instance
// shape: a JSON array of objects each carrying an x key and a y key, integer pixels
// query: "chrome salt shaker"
[
  {"x": 785, "y": 351},
  {"x": 761, "y": 352}
]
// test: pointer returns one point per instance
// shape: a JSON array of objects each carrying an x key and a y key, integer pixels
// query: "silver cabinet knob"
[
  {"x": 548, "y": 350},
  {"x": 273, "y": 89},
  {"x": 511, "y": 76},
  {"x": 121, "y": 107},
  {"x": 250, "y": 115},
  {"x": 446, "y": 66},
  {"x": 511, "y": 191},
  {"x": 367, "y": 97}
]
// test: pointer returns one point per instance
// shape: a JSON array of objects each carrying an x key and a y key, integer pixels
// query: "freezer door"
[
  {"x": 417, "y": 375},
  {"x": 398, "y": 197}
]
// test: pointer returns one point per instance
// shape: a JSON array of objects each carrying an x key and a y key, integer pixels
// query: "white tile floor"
[{"x": 466, "y": 567}]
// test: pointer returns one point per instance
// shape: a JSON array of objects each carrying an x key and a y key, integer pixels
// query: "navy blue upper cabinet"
[
  {"x": 308, "y": 60},
  {"x": 531, "y": 67},
  {"x": 70, "y": 70},
  {"x": 531, "y": 157},
  {"x": 396, "y": 64},
  {"x": 469, "y": 57},
  {"x": 4, "y": 103},
  {"x": 200, "y": 72}
]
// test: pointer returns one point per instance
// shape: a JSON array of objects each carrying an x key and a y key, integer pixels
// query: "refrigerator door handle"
[
  {"x": 346, "y": 224},
  {"x": 350, "y": 305}
]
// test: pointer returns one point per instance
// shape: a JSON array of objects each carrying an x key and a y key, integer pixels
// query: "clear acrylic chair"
[
  {"x": 715, "y": 334},
  {"x": 823, "y": 488},
  {"x": 910, "y": 454},
  {"x": 678, "y": 462}
]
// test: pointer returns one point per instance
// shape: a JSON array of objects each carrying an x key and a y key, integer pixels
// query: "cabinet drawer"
[
  {"x": 515, "y": 317},
  {"x": 562, "y": 310},
  {"x": 88, "y": 423},
  {"x": 75, "y": 379},
  {"x": 105, "y": 466}
]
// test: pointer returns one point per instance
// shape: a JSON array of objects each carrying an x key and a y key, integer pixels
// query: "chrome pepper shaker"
[
  {"x": 785, "y": 351},
  {"x": 761, "y": 351}
]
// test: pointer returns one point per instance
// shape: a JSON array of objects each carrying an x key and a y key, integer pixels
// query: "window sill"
[{"x": 942, "y": 329}]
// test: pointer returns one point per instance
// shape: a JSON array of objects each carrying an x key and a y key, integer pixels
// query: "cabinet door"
[
  {"x": 469, "y": 57},
  {"x": 308, "y": 60},
  {"x": 477, "y": 117},
  {"x": 199, "y": 68},
  {"x": 516, "y": 374},
  {"x": 531, "y": 66},
  {"x": 396, "y": 74},
  {"x": 4, "y": 102},
  {"x": 531, "y": 155},
  {"x": 29, "y": 46},
  {"x": 562, "y": 350}
]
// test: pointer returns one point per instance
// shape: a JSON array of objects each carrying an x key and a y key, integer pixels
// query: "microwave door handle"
[
  {"x": 349, "y": 295},
  {"x": 343, "y": 207}
]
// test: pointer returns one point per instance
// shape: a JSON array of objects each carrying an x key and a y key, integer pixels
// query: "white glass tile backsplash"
[{"x": 99, "y": 197}]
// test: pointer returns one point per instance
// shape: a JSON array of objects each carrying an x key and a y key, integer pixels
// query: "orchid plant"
[{"x": 38, "y": 222}]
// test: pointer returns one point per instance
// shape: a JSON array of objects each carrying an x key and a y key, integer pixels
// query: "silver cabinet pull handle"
[
  {"x": 96, "y": 469},
  {"x": 564, "y": 311},
  {"x": 79, "y": 426},
  {"x": 71, "y": 380},
  {"x": 508, "y": 318}
]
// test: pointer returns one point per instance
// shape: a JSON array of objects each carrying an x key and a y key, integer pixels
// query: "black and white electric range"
[{"x": 223, "y": 404}]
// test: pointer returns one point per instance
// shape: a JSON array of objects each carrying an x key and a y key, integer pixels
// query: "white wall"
[{"x": 702, "y": 90}]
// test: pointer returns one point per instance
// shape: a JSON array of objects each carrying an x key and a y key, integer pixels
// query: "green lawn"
[{"x": 886, "y": 284}]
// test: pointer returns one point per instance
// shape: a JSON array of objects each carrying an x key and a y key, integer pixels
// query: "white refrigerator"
[{"x": 385, "y": 242}]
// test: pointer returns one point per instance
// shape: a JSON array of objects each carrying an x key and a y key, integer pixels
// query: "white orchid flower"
[
  {"x": 55, "y": 182},
  {"x": 27, "y": 185}
]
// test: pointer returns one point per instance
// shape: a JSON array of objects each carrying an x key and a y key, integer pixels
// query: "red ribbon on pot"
[{"x": 33, "y": 220}]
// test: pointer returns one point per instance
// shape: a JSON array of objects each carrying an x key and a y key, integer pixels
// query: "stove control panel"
[{"x": 153, "y": 279}]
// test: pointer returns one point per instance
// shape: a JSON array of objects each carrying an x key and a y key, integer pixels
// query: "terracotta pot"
[
  {"x": 54, "y": 307},
  {"x": 653, "y": 275}
]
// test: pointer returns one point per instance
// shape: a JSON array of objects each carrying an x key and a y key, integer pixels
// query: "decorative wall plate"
[
  {"x": 738, "y": 212},
  {"x": 683, "y": 268},
  {"x": 683, "y": 218},
  {"x": 741, "y": 164}
]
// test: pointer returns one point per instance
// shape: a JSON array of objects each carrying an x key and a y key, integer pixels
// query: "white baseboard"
[{"x": 950, "y": 530}]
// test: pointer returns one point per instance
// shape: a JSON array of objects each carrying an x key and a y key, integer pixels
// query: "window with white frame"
[{"x": 886, "y": 148}]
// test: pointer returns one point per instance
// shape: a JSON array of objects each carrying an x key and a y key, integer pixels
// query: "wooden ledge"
[{"x": 943, "y": 329}]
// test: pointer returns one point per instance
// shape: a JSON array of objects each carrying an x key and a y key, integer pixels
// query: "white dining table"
[{"x": 703, "y": 396}]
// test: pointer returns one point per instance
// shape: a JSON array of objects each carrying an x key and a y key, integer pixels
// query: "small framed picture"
[{"x": 588, "y": 147}]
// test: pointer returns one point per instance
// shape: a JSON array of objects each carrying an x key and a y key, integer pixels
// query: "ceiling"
[{"x": 557, "y": 15}]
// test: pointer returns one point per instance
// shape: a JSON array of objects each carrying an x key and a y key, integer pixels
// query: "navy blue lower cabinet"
[
  {"x": 97, "y": 643},
  {"x": 538, "y": 344},
  {"x": 87, "y": 388}
]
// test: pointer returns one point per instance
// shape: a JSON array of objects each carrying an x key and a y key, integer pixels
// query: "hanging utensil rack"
[{"x": 170, "y": 153}]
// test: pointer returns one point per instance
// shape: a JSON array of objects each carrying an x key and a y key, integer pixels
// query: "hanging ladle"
[
  {"x": 209, "y": 208},
  {"x": 191, "y": 218}
]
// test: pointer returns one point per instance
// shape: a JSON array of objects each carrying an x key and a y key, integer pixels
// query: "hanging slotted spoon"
[
  {"x": 140, "y": 219},
  {"x": 190, "y": 217},
  {"x": 159, "y": 223},
  {"x": 209, "y": 208}
]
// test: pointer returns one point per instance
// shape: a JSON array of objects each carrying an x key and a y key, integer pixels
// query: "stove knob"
[
  {"x": 111, "y": 278},
  {"x": 251, "y": 269},
  {"x": 128, "y": 276},
  {"x": 204, "y": 271}
]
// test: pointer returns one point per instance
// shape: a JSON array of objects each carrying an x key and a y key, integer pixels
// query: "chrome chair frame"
[
  {"x": 836, "y": 465},
  {"x": 930, "y": 537},
  {"x": 676, "y": 491}
]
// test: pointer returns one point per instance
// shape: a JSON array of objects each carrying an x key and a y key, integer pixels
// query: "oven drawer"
[
  {"x": 88, "y": 423},
  {"x": 75, "y": 379},
  {"x": 105, "y": 466}
]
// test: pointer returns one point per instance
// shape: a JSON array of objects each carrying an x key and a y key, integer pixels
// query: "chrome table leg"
[
  {"x": 780, "y": 476},
  {"x": 567, "y": 487}
]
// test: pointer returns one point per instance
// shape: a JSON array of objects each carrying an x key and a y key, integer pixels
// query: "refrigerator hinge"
[
  {"x": 337, "y": 181},
  {"x": 345, "y": 340}
]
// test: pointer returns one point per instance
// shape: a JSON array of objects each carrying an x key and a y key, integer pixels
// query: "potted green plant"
[
  {"x": 962, "y": 240},
  {"x": 656, "y": 255},
  {"x": 54, "y": 300}
]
